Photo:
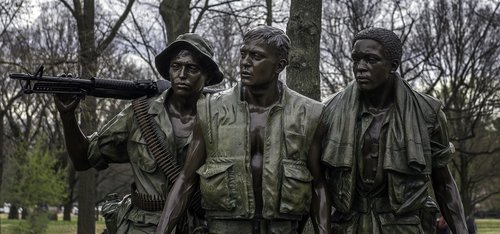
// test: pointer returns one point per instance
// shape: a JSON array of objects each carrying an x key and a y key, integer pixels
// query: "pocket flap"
[
  {"x": 297, "y": 171},
  {"x": 208, "y": 170},
  {"x": 294, "y": 142}
]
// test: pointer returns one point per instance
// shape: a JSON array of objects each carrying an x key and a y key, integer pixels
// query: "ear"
[
  {"x": 207, "y": 79},
  {"x": 281, "y": 65},
  {"x": 394, "y": 65}
]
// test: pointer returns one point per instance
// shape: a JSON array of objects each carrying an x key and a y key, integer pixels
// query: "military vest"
[{"x": 226, "y": 179}]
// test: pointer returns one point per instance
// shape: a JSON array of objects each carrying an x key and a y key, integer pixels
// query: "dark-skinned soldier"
[
  {"x": 254, "y": 151},
  {"x": 385, "y": 145},
  {"x": 187, "y": 63}
]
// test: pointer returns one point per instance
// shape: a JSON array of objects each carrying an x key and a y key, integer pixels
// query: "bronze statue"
[
  {"x": 187, "y": 63},
  {"x": 385, "y": 144},
  {"x": 255, "y": 151}
]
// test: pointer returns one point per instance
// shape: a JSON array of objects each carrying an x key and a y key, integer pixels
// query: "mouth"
[
  {"x": 362, "y": 79},
  {"x": 182, "y": 86},
  {"x": 245, "y": 74}
]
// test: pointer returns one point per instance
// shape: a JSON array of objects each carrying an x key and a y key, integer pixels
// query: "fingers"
[
  {"x": 69, "y": 75},
  {"x": 66, "y": 103}
]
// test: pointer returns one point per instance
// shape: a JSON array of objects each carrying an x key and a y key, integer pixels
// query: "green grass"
[
  {"x": 55, "y": 227},
  {"x": 484, "y": 226},
  {"x": 488, "y": 226}
]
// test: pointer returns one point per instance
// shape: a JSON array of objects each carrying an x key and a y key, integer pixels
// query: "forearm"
[
  {"x": 77, "y": 143},
  {"x": 320, "y": 209},
  {"x": 448, "y": 198},
  {"x": 176, "y": 204}
]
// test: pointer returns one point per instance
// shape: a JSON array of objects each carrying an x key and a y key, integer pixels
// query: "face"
[
  {"x": 186, "y": 75},
  {"x": 371, "y": 68},
  {"x": 259, "y": 64}
]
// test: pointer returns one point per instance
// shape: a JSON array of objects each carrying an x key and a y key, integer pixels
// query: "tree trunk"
[
  {"x": 2, "y": 154},
  {"x": 86, "y": 201},
  {"x": 304, "y": 30},
  {"x": 68, "y": 206},
  {"x": 176, "y": 16},
  {"x": 14, "y": 212},
  {"x": 269, "y": 12},
  {"x": 88, "y": 64},
  {"x": 24, "y": 214},
  {"x": 464, "y": 185},
  {"x": 89, "y": 52}
]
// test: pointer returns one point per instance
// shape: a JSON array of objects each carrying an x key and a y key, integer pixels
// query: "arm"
[
  {"x": 320, "y": 206},
  {"x": 185, "y": 185},
  {"x": 449, "y": 200},
  {"x": 77, "y": 143},
  {"x": 445, "y": 188}
]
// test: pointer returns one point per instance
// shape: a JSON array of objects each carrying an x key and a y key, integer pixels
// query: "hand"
[{"x": 66, "y": 103}]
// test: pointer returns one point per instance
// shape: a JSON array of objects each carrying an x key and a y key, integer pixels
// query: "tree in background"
[
  {"x": 9, "y": 11},
  {"x": 176, "y": 15},
  {"x": 304, "y": 30},
  {"x": 90, "y": 49},
  {"x": 464, "y": 72},
  {"x": 38, "y": 181}
]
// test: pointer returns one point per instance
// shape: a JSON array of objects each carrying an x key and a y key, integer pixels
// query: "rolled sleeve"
[
  {"x": 109, "y": 145},
  {"x": 442, "y": 149}
]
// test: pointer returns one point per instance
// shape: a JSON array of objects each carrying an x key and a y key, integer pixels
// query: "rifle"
[{"x": 104, "y": 88}]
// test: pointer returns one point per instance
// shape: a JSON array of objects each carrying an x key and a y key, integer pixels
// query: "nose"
[
  {"x": 360, "y": 65},
  {"x": 245, "y": 60},
  {"x": 183, "y": 72}
]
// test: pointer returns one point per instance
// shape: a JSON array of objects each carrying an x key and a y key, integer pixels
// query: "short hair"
[
  {"x": 393, "y": 48},
  {"x": 272, "y": 36}
]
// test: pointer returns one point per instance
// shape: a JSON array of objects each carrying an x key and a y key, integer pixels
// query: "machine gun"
[{"x": 104, "y": 88}]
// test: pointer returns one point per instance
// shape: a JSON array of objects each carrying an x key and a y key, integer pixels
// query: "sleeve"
[
  {"x": 441, "y": 148},
  {"x": 109, "y": 145}
]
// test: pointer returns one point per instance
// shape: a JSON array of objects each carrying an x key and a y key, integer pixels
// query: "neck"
[
  {"x": 380, "y": 97},
  {"x": 261, "y": 96},
  {"x": 182, "y": 104}
]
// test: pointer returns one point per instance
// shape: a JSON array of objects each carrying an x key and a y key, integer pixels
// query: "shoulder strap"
[{"x": 165, "y": 161}]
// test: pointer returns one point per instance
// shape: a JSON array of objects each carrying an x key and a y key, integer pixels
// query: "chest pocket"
[
  {"x": 296, "y": 189},
  {"x": 216, "y": 185},
  {"x": 295, "y": 143},
  {"x": 139, "y": 153}
]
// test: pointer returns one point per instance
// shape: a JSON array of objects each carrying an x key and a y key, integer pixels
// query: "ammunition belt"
[
  {"x": 147, "y": 202},
  {"x": 164, "y": 159}
]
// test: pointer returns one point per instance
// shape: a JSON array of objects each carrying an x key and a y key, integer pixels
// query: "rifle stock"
[{"x": 104, "y": 88}]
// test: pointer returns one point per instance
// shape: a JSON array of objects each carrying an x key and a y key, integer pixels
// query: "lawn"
[
  {"x": 488, "y": 226},
  {"x": 60, "y": 227},
  {"x": 485, "y": 226}
]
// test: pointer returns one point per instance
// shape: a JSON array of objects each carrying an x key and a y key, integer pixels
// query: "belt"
[
  {"x": 145, "y": 201},
  {"x": 253, "y": 226},
  {"x": 366, "y": 204}
]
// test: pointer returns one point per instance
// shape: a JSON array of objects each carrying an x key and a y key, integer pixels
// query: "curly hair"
[
  {"x": 272, "y": 36},
  {"x": 393, "y": 48}
]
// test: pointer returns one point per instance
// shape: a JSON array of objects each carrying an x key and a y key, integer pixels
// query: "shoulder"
[
  {"x": 294, "y": 98},
  {"x": 430, "y": 106},
  {"x": 223, "y": 95},
  {"x": 343, "y": 95},
  {"x": 298, "y": 104}
]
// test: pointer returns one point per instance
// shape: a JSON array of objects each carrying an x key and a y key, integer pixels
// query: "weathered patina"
[{"x": 386, "y": 144}]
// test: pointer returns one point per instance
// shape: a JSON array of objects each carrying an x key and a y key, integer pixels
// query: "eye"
[
  {"x": 175, "y": 66},
  {"x": 257, "y": 56},
  {"x": 372, "y": 60},
  {"x": 193, "y": 68}
]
